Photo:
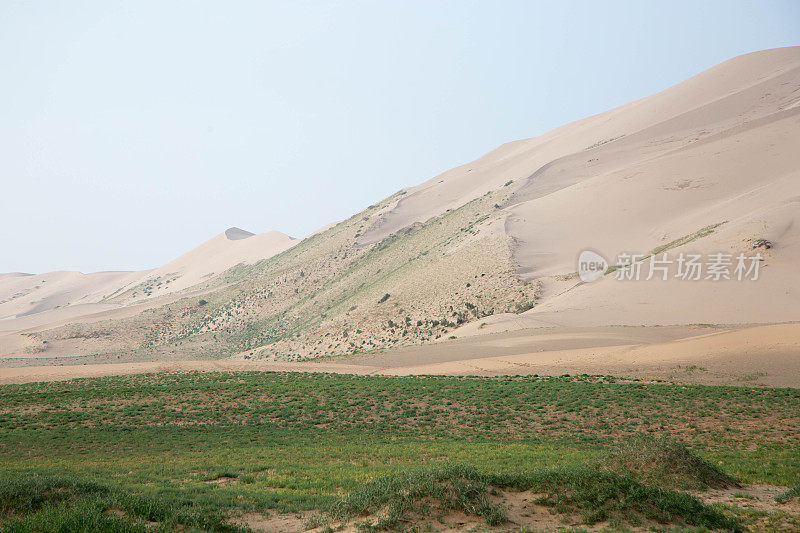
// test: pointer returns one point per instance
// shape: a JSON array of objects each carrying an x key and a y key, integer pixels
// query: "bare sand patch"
[{"x": 762, "y": 355}]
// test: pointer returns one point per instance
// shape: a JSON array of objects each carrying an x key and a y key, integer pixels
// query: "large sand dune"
[
  {"x": 720, "y": 147},
  {"x": 26, "y": 295},
  {"x": 707, "y": 166},
  {"x": 733, "y": 93}
]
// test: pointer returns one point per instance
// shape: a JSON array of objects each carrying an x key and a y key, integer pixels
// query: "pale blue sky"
[{"x": 131, "y": 132}]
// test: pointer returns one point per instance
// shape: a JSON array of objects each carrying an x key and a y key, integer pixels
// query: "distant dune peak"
[{"x": 235, "y": 234}]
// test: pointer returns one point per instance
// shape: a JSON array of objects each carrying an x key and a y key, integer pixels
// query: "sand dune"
[
  {"x": 707, "y": 166},
  {"x": 726, "y": 95},
  {"x": 717, "y": 148},
  {"x": 30, "y": 300},
  {"x": 23, "y": 295},
  {"x": 229, "y": 248}
]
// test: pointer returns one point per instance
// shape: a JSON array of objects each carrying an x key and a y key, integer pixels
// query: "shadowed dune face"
[
  {"x": 235, "y": 234},
  {"x": 707, "y": 166}
]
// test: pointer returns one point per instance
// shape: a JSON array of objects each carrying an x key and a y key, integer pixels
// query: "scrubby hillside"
[{"x": 332, "y": 295}]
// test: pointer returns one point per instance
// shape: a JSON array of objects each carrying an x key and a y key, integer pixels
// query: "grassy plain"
[{"x": 196, "y": 449}]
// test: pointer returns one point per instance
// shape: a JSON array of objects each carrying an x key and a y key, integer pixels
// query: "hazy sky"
[{"x": 131, "y": 132}]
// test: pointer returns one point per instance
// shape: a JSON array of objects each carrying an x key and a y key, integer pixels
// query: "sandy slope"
[
  {"x": 719, "y": 147},
  {"x": 31, "y": 300},
  {"x": 28, "y": 294},
  {"x": 652, "y": 118},
  {"x": 764, "y": 355},
  {"x": 229, "y": 248}
]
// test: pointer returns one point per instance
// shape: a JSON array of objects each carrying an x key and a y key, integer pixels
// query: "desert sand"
[
  {"x": 717, "y": 148},
  {"x": 474, "y": 270},
  {"x": 755, "y": 356}
]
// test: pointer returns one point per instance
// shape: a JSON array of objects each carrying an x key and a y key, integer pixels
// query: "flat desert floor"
[{"x": 723, "y": 355}]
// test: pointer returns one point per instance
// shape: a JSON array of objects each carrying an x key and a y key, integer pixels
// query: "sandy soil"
[
  {"x": 754, "y": 356},
  {"x": 753, "y": 497},
  {"x": 523, "y": 512},
  {"x": 527, "y": 341},
  {"x": 29, "y": 374},
  {"x": 765, "y": 355}
]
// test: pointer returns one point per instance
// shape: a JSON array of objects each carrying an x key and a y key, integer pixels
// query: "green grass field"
[{"x": 194, "y": 449}]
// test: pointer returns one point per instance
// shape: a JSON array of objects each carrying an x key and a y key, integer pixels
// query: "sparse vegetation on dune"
[
  {"x": 686, "y": 239},
  {"x": 331, "y": 295},
  {"x": 420, "y": 494},
  {"x": 199, "y": 451}
]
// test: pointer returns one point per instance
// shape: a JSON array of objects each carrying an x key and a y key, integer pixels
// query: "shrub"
[{"x": 424, "y": 492}]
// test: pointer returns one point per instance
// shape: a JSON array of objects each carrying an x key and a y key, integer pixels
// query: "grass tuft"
[
  {"x": 668, "y": 463},
  {"x": 598, "y": 495},
  {"x": 422, "y": 493}
]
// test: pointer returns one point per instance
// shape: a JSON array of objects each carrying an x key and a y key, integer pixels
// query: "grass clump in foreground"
[
  {"x": 668, "y": 463},
  {"x": 52, "y": 503},
  {"x": 587, "y": 493},
  {"x": 423, "y": 493}
]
